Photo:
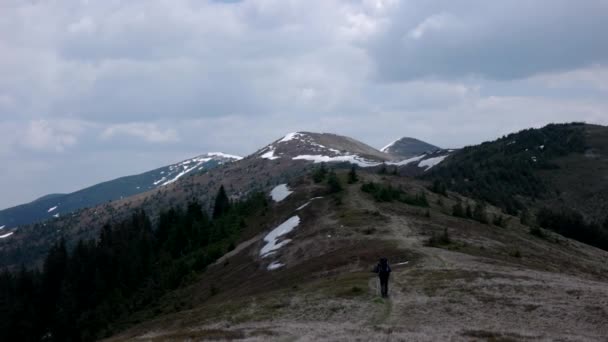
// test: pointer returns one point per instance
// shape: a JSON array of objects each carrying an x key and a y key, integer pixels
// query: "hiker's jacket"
[{"x": 382, "y": 268}]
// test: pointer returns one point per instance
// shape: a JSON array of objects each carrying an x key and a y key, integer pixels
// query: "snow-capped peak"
[
  {"x": 174, "y": 172},
  {"x": 290, "y": 136},
  {"x": 385, "y": 148},
  {"x": 224, "y": 155}
]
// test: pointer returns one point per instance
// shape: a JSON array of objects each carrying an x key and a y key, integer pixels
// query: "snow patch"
[
  {"x": 388, "y": 146},
  {"x": 272, "y": 237},
  {"x": 307, "y": 203},
  {"x": 290, "y": 136},
  {"x": 280, "y": 192},
  {"x": 51, "y": 209},
  {"x": 429, "y": 163},
  {"x": 224, "y": 155},
  {"x": 2, "y": 227},
  {"x": 6, "y": 235},
  {"x": 407, "y": 161},
  {"x": 160, "y": 180},
  {"x": 327, "y": 159},
  {"x": 56, "y": 215},
  {"x": 269, "y": 155},
  {"x": 542, "y": 147},
  {"x": 275, "y": 265}
]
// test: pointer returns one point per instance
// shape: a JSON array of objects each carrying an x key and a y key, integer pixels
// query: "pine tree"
[
  {"x": 319, "y": 173},
  {"x": 382, "y": 170},
  {"x": 333, "y": 182},
  {"x": 479, "y": 214},
  {"x": 458, "y": 210},
  {"x": 222, "y": 203},
  {"x": 469, "y": 212},
  {"x": 525, "y": 217},
  {"x": 352, "y": 175}
]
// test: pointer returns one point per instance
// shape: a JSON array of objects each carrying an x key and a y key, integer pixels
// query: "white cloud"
[
  {"x": 85, "y": 26},
  {"x": 435, "y": 22},
  {"x": 43, "y": 135},
  {"x": 146, "y": 131},
  {"x": 166, "y": 78}
]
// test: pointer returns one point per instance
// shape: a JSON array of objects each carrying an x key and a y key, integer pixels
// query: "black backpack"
[{"x": 384, "y": 267}]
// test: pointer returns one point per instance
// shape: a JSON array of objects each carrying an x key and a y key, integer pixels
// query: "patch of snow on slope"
[
  {"x": 280, "y": 192},
  {"x": 269, "y": 155},
  {"x": 6, "y": 235},
  {"x": 51, "y": 209},
  {"x": 407, "y": 161},
  {"x": 327, "y": 159},
  {"x": 429, "y": 163},
  {"x": 275, "y": 265},
  {"x": 271, "y": 238},
  {"x": 307, "y": 203},
  {"x": 2, "y": 227},
  {"x": 225, "y": 155},
  {"x": 160, "y": 180},
  {"x": 290, "y": 136},
  {"x": 179, "y": 175},
  {"x": 56, "y": 215},
  {"x": 187, "y": 168},
  {"x": 388, "y": 146}
]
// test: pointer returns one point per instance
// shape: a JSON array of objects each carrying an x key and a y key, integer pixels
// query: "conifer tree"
[
  {"x": 458, "y": 210},
  {"x": 352, "y": 175},
  {"x": 333, "y": 182},
  {"x": 222, "y": 203}
]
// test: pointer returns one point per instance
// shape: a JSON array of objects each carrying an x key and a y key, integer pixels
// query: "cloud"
[
  {"x": 145, "y": 131},
  {"x": 105, "y": 80},
  {"x": 43, "y": 135},
  {"x": 495, "y": 40}
]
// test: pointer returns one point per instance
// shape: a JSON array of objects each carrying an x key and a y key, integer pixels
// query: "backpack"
[{"x": 384, "y": 267}]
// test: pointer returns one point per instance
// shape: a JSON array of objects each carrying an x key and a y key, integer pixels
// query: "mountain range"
[{"x": 506, "y": 240}]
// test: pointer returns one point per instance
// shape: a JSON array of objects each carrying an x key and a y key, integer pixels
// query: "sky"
[{"x": 94, "y": 90}]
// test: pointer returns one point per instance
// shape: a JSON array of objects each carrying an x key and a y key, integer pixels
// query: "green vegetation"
[
  {"x": 438, "y": 240},
  {"x": 499, "y": 171},
  {"x": 570, "y": 223},
  {"x": 478, "y": 214},
  {"x": 81, "y": 295},
  {"x": 387, "y": 193},
  {"x": 383, "y": 170},
  {"x": 319, "y": 174},
  {"x": 352, "y": 175},
  {"x": 222, "y": 203},
  {"x": 439, "y": 187},
  {"x": 333, "y": 182},
  {"x": 499, "y": 220},
  {"x": 516, "y": 253}
]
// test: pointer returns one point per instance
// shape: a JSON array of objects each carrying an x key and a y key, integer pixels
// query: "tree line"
[{"x": 83, "y": 293}]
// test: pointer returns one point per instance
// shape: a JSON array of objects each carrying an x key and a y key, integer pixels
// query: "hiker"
[{"x": 384, "y": 270}]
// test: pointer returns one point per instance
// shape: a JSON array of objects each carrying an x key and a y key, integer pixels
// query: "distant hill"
[
  {"x": 176, "y": 185},
  {"x": 407, "y": 147},
  {"x": 56, "y": 205},
  {"x": 559, "y": 170}
]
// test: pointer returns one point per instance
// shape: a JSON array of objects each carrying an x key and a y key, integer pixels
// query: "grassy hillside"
[{"x": 461, "y": 279}]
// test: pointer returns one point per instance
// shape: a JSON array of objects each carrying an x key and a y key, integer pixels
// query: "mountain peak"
[
  {"x": 408, "y": 147},
  {"x": 322, "y": 147}
]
